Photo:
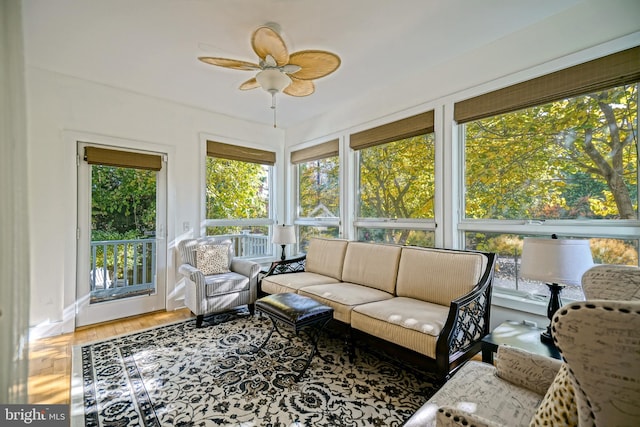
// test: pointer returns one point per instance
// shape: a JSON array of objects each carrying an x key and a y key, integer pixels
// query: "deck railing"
[
  {"x": 249, "y": 245},
  {"x": 122, "y": 266}
]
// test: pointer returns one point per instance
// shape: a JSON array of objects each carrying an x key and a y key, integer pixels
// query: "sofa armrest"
[
  {"x": 293, "y": 265},
  {"x": 454, "y": 417},
  {"x": 529, "y": 370},
  {"x": 467, "y": 323}
]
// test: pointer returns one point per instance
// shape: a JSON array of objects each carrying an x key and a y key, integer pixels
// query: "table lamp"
[
  {"x": 284, "y": 235},
  {"x": 557, "y": 262}
]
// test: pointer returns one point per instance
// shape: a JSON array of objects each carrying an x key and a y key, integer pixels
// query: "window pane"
[
  {"x": 572, "y": 159},
  {"x": 397, "y": 236},
  {"x": 508, "y": 248},
  {"x": 309, "y": 231},
  {"x": 236, "y": 189},
  {"x": 249, "y": 242},
  {"x": 396, "y": 180},
  {"x": 319, "y": 188}
]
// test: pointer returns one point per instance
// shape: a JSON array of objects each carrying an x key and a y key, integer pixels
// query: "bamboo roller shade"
[
  {"x": 124, "y": 159},
  {"x": 419, "y": 124},
  {"x": 603, "y": 73},
  {"x": 236, "y": 152},
  {"x": 320, "y": 151}
]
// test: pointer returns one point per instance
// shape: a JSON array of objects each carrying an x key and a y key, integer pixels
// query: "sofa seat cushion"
[
  {"x": 292, "y": 282},
  {"x": 404, "y": 321},
  {"x": 474, "y": 389},
  {"x": 224, "y": 283},
  {"x": 343, "y": 297}
]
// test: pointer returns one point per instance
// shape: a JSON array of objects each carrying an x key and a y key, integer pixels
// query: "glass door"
[{"x": 121, "y": 243}]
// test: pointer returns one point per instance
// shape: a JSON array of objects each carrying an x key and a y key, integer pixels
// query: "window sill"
[{"x": 520, "y": 301}]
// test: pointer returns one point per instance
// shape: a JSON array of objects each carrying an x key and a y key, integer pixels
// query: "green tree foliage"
[
  {"x": 123, "y": 203},
  {"x": 319, "y": 187},
  {"x": 397, "y": 179},
  {"x": 236, "y": 189},
  {"x": 575, "y": 158}
]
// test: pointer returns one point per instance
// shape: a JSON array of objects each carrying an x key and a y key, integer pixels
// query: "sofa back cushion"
[
  {"x": 438, "y": 275},
  {"x": 371, "y": 264},
  {"x": 326, "y": 257}
]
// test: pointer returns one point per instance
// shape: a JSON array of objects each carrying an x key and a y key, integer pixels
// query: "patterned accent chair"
[
  {"x": 215, "y": 280},
  {"x": 612, "y": 282},
  {"x": 598, "y": 382}
]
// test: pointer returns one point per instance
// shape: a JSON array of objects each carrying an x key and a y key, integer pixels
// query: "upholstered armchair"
[
  {"x": 612, "y": 282},
  {"x": 215, "y": 280},
  {"x": 596, "y": 384}
]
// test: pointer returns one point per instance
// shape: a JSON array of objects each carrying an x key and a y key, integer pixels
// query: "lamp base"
[
  {"x": 283, "y": 254},
  {"x": 554, "y": 305},
  {"x": 545, "y": 336}
]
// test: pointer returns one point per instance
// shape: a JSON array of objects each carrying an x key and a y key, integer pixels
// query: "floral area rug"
[{"x": 177, "y": 375}]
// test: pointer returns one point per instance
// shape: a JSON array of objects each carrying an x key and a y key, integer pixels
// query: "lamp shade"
[
  {"x": 561, "y": 261},
  {"x": 284, "y": 234}
]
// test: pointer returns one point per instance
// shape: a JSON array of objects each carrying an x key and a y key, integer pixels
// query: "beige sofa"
[{"x": 435, "y": 302}]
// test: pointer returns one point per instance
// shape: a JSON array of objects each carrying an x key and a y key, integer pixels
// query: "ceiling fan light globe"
[{"x": 273, "y": 80}]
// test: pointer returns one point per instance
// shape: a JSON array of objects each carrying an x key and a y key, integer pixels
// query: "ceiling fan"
[{"x": 279, "y": 71}]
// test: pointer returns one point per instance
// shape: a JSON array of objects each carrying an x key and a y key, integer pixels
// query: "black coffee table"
[{"x": 299, "y": 313}]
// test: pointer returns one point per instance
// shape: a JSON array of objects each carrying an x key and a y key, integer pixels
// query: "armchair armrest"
[
  {"x": 529, "y": 370},
  {"x": 191, "y": 272},
  {"x": 448, "y": 416},
  {"x": 293, "y": 265},
  {"x": 245, "y": 267}
]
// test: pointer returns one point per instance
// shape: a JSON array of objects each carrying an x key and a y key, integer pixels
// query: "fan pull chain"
[{"x": 273, "y": 107}]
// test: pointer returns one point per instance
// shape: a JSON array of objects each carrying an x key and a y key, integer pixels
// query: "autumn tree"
[
  {"x": 319, "y": 187},
  {"x": 397, "y": 181},
  {"x": 572, "y": 158}
]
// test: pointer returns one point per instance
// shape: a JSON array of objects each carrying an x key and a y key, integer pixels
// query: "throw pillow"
[
  {"x": 212, "y": 259},
  {"x": 525, "y": 369},
  {"x": 558, "y": 407}
]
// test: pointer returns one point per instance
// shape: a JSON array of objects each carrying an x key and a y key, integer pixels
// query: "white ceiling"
[{"x": 151, "y": 46}]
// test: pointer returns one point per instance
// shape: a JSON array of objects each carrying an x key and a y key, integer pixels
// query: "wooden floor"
[{"x": 50, "y": 358}]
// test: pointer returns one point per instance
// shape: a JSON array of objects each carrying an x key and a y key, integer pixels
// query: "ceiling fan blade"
[
  {"x": 252, "y": 83},
  {"x": 314, "y": 63},
  {"x": 300, "y": 87},
  {"x": 265, "y": 41},
  {"x": 230, "y": 63}
]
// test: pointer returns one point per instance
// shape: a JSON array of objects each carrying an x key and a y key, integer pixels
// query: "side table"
[{"x": 519, "y": 335}]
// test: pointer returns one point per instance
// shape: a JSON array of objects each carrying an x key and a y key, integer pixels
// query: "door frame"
[{"x": 134, "y": 305}]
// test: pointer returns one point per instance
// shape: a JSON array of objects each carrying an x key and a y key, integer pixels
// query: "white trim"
[{"x": 71, "y": 138}]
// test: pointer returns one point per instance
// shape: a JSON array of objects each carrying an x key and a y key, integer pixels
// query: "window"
[
  {"x": 557, "y": 154},
  {"x": 396, "y": 182},
  {"x": 318, "y": 184},
  {"x": 238, "y": 200}
]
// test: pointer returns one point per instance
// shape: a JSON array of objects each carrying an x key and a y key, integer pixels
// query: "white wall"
[{"x": 62, "y": 109}]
